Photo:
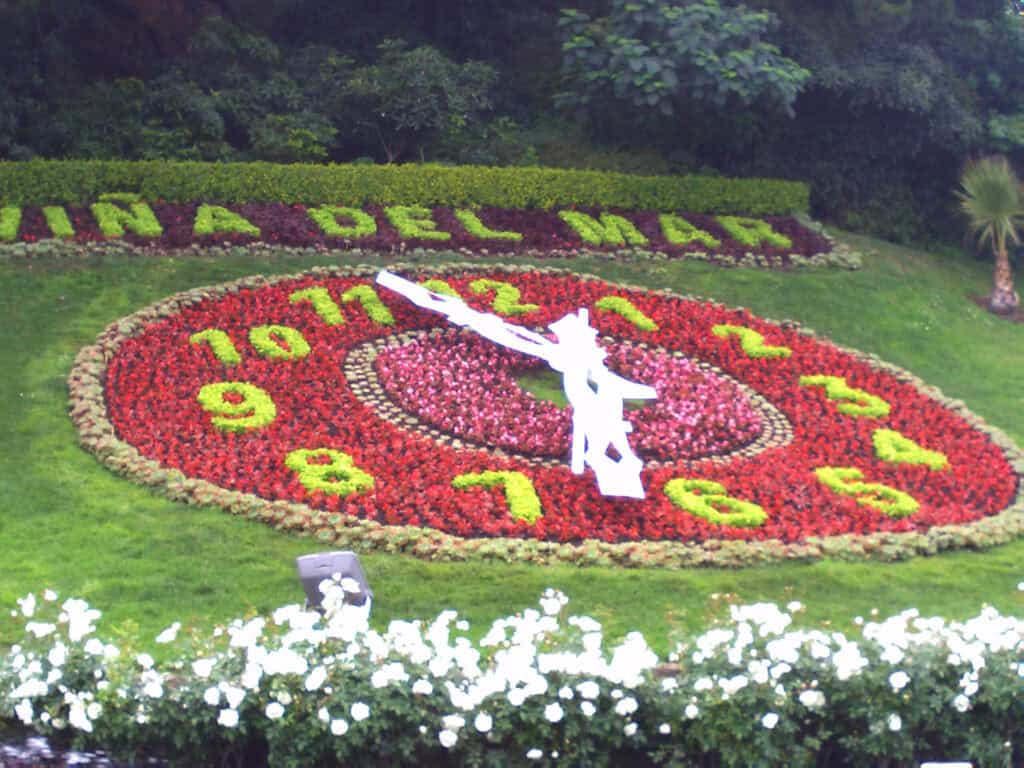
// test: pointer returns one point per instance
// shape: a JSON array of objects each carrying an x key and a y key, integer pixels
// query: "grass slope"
[{"x": 67, "y": 523}]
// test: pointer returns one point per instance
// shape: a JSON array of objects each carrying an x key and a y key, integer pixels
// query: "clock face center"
[{"x": 453, "y": 385}]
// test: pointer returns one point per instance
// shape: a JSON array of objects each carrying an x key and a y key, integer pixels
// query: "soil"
[{"x": 1017, "y": 316}]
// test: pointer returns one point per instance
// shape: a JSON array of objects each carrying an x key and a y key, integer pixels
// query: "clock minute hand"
[
  {"x": 597, "y": 411},
  {"x": 458, "y": 312}
]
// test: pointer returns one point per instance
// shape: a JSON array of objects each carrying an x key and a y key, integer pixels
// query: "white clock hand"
[{"x": 597, "y": 412}]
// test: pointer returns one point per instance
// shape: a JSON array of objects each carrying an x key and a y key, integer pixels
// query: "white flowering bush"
[{"x": 300, "y": 688}]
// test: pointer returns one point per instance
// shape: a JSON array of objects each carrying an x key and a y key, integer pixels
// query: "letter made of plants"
[{"x": 327, "y": 403}]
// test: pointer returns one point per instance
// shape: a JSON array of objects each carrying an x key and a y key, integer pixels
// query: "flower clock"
[{"x": 326, "y": 403}]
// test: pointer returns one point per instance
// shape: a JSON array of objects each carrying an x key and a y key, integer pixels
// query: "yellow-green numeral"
[
  {"x": 856, "y": 402},
  {"x": 847, "y": 481},
  {"x": 440, "y": 286},
  {"x": 237, "y": 406},
  {"x": 893, "y": 447},
  {"x": 220, "y": 344},
  {"x": 329, "y": 471},
  {"x": 370, "y": 302},
  {"x": 708, "y": 500},
  {"x": 625, "y": 308},
  {"x": 330, "y": 312},
  {"x": 751, "y": 341},
  {"x": 520, "y": 495},
  {"x": 506, "y": 296},
  {"x": 278, "y": 342},
  {"x": 322, "y": 303}
]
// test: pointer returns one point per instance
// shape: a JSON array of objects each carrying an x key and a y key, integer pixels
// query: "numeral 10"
[{"x": 273, "y": 342}]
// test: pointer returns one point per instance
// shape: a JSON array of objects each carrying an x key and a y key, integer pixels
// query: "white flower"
[
  {"x": 962, "y": 703},
  {"x": 233, "y": 695},
  {"x": 323, "y": 715},
  {"x": 589, "y": 689},
  {"x": 49, "y": 595},
  {"x": 58, "y": 654},
  {"x": 794, "y": 606},
  {"x": 94, "y": 710},
  {"x": 274, "y": 710},
  {"x": 691, "y": 711},
  {"x": 153, "y": 689},
  {"x": 898, "y": 680},
  {"x": 28, "y": 605},
  {"x": 78, "y": 717},
  {"x": 731, "y": 685},
  {"x": 483, "y": 722},
  {"x": 24, "y": 711},
  {"x": 630, "y": 729},
  {"x": 554, "y": 712},
  {"x": 447, "y": 738},
  {"x": 565, "y": 692},
  {"x": 550, "y": 605},
  {"x": 770, "y": 720},
  {"x": 812, "y": 699},
  {"x": 664, "y": 729},
  {"x": 94, "y": 646},
  {"x": 626, "y": 706},
  {"x": 40, "y": 629},
  {"x": 892, "y": 655},
  {"x": 453, "y": 722},
  {"x": 359, "y": 711},
  {"x": 516, "y": 697},
  {"x": 895, "y": 723},
  {"x": 1020, "y": 586},
  {"x": 534, "y": 754},
  {"x": 339, "y": 727},
  {"x": 588, "y": 709},
  {"x": 31, "y": 688},
  {"x": 145, "y": 660},
  {"x": 703, "y": 684},
  {"x": 212, "y": 696},
  {"x": 170, "y": 634},
  {"x": 316, "y": 678},
  {"x": 228, "y": 718}
]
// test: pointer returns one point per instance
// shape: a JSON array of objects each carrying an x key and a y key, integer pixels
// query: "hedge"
[
  {"x": 540, "y": 688},
  {"x": 58, "y": 182}
]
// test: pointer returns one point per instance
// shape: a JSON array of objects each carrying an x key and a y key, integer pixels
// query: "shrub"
[
  {"x": 45, "y": 182},
  {"x": 303, "y": 688}
]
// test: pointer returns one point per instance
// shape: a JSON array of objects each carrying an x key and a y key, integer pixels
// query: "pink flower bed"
[{"x": 467, "y": 387}]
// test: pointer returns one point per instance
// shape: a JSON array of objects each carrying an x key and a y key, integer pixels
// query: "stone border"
[{"x": 96, "y": 433}]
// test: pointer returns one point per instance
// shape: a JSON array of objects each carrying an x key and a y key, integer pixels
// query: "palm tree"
[{"x": 991, "y": 201}]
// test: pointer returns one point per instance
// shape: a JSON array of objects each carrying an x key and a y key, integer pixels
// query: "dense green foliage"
[
  {"x": 877, "y": 104},
  {"x": 677, "y": 59},
  {"x": 50, "y": 182}
]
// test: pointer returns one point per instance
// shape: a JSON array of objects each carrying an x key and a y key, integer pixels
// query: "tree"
[
  {"x": 407, "y": 98},
  {"x": 990, "y": 198},
  {"x": 659, "y": 57}
]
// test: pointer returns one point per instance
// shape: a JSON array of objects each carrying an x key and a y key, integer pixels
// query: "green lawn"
[{"x": 67, "y": 523}]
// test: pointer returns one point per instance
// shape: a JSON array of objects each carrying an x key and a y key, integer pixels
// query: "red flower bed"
[
  {"x": 154, "y": 376},
  {"x": 542, "y": 232}
]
